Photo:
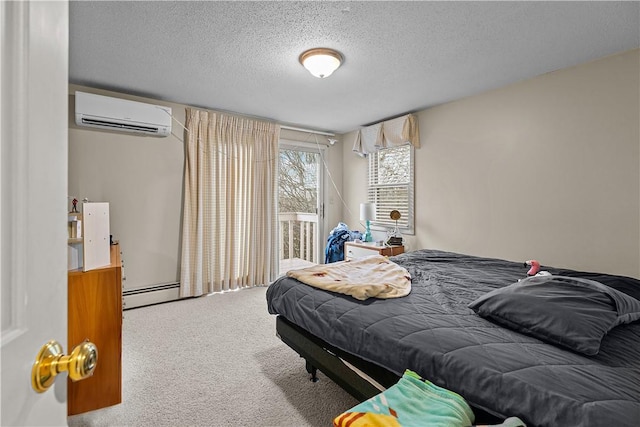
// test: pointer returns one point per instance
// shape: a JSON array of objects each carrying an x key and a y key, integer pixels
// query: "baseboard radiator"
[{"x": 155, "y": 294}]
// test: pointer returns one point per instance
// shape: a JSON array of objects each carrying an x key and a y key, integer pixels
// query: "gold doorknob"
[{"x": 50, "y": 361}]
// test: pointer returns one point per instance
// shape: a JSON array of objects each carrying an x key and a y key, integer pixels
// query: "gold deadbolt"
[{"x": 50, "y": 361}]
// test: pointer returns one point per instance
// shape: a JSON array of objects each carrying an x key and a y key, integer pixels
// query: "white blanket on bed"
[{"x": 362, "y": 278}]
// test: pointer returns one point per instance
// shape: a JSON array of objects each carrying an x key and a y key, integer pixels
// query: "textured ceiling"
[{"x": 399, "y": 56}]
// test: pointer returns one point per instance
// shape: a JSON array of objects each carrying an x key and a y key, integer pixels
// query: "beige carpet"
[{"x": 214, "y": 361}]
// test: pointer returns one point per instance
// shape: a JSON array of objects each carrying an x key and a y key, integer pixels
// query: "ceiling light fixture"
[{"x": 321, "y": 61}]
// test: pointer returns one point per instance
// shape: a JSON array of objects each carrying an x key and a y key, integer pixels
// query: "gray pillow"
[{"x": 566, "y": 311}]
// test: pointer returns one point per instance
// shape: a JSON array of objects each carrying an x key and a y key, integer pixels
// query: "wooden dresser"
[{"x": 95, "y": 313}]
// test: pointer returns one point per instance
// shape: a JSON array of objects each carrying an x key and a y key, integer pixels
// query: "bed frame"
[{"x": 320, "y": 355}]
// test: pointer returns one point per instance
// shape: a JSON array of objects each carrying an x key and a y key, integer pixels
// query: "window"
[{"x": 391, "y": 187}]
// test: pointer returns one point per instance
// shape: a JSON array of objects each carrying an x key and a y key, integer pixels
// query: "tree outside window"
[{"x": 298, "y": 189}]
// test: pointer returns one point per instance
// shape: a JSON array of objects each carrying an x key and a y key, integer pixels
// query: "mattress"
[{"x": 433, "y": 333}]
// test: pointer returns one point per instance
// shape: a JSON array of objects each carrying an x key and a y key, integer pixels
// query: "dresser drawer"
[{"x": 354, "y": 250}]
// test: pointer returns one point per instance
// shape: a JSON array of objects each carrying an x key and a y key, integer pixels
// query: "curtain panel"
[
  {"x": 229, "y": 225},
  {"x": 391, "y": 133}
]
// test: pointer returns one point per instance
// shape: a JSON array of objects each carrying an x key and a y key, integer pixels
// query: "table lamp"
[{"x": 367, "y": 213}]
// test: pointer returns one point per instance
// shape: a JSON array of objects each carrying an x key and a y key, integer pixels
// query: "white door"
[{"x": 33, "y": 181}]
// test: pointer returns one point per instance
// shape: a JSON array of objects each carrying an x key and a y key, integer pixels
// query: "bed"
[{"x": 501, "y": 372}]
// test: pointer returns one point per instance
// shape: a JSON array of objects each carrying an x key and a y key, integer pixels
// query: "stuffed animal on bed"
[{"x": 534, "y": 269}]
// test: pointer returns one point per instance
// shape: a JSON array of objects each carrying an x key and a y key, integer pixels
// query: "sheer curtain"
[{"x": 229, "y": 223}]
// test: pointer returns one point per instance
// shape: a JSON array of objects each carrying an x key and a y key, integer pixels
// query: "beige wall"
[
  {"x": 548, "y": 169},
  {"x": 142, "y": 179}
]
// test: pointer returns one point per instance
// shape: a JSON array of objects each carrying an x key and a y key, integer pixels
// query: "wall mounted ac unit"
[{"x": 106, "y": 113}]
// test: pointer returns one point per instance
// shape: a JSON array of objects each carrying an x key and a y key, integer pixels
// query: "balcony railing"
[{"x": 299, "y": 237}]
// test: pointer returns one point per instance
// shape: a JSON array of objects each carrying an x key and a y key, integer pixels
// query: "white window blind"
[{"x": 391, "y": 186}]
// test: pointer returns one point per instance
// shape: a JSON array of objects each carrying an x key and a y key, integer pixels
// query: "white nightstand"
[{"x": 356, "y": 250}]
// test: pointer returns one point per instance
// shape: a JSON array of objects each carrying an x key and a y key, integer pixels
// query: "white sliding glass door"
[{"x": 300, "y": 206}]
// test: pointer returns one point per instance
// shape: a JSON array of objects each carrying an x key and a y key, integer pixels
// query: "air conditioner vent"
[
  {"x": 127, "y": 126},
  {"x": 115, "y": 114}
]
